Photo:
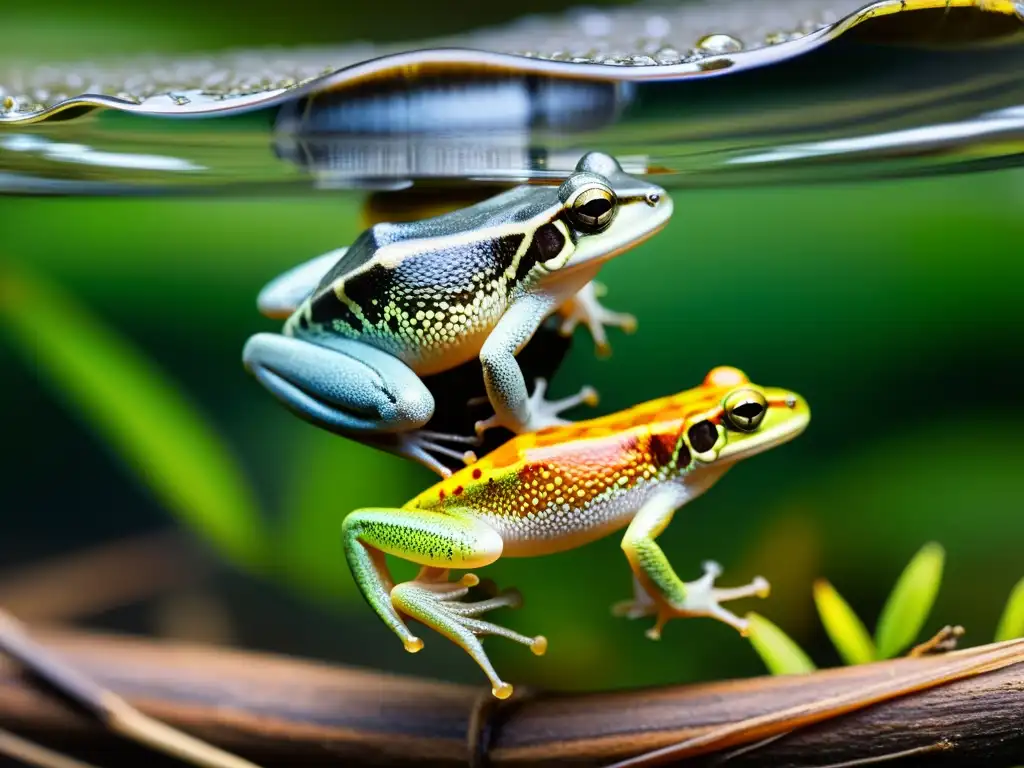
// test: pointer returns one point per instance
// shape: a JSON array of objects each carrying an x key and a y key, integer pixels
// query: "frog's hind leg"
[
  {"x": 439, "y": 606},
  {"x": 355, "y": 390},
  {"x": 438, "y": 541},
  {"x": 349, "y": 387},
  {"x": 283, "y": 295},
  {"x": 422, "y": 445}
]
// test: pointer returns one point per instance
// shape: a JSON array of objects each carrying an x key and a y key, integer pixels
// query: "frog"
[
  {"x": 363, "y": 324},
  {"x": 563, "y": 487}
]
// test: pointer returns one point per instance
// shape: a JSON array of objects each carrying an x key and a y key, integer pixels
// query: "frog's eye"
[
  {"x": 548, "y": 241},
  {"x": 549, "y": 248},
  {"x": 745, "y": 410},
  {"x": 703, "y": 436},
  {"x": 592, "y": 208}
]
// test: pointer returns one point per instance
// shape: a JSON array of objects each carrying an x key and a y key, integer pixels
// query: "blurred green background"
[{"x": 894, "y": 307}]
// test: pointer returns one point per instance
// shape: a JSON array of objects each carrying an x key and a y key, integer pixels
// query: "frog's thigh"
[
  {"x": 439, "y": 539},
  {"x": 452, "y": 539},
  {"x": 282, "y": 295},
  {"x": 350, "y": 387}
]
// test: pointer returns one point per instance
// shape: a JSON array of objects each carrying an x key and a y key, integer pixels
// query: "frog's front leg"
[
  {"x": 352, "y": 389},
  {"x": 514, "y": 408},
  {"x": 438, "y": 541},
  {"x": 585, "y": 308},
  {"x": 660, "y": 591}
]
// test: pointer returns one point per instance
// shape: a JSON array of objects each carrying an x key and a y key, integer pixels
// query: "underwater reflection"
[
  {"x": 988, "y": 125},
  {"x": 923, "y": 93}
]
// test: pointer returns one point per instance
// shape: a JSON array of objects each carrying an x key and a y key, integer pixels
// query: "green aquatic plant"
[
  {"x": 899, "y": 624},
  {"x": 175, "y": 450},
  {"x": 135, "y": 408},
  {"x": 780, "y": 653},
  {"x": 1011, "y": 625}
]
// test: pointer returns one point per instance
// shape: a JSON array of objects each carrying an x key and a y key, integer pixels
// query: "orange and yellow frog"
[{"x": 563, "y": 487}]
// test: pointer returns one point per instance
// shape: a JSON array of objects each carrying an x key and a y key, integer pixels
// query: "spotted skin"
[
  {"x": 562, "y": 487},
  {"x": 432, "y": 311},
  {"x": 543, "y": 495},
  {"x": 436, "y": 293},
  {"x": 427, "y": 293}
]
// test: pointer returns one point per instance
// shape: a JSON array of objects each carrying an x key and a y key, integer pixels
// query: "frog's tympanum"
[
  {"x": 560, "y": 488},
  {"x": 411, "y": 299}
]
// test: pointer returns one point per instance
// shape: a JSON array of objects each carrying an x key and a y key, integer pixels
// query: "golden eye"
[
  {"x": 745, "y": 409},
  {"x": 593, "y": 207}
]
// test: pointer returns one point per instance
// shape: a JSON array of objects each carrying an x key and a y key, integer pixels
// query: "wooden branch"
[
  {"x": 278, "y": 711},
  {"x": 158, "y": 563}
]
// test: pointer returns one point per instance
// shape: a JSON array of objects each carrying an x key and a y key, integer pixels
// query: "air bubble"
[
  {"x": 664, "y": 35},
  {"x": 719, "y": 43},
  {"x": 668, "y": 56}
]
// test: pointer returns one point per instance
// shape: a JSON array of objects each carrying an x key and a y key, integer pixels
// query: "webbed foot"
[
  {"x": 585, "y": 308},
  {"x": 701, "y": 598},
  {"x": 438, "y": 604},
  {"x": 425, "y": 446},
  {"x": 543, "y": 413}
]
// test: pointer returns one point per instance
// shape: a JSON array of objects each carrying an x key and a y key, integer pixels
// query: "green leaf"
[
  {"x": 132, "y": 406},
  {"x": 1011, "y": 625},
  {"x": 847, "y": 631},
  {"x": 779, "y": 652},
  {"x": 910, "y": 602}
]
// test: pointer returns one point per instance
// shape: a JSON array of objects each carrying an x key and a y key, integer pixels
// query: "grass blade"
[
  {"x": 844, "y": 627},
  {"x": 779, "y": 652},
  {"x": 132, "y": 406},
  {"x": 1011, "y": 625},
  {"x": 910, "y": 602}
]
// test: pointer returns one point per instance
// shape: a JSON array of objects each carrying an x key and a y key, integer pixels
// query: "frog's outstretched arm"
[
  {"x": 438, "y": 541},
  {"x": 282, "y": 295},
  {"x": 514, "y": 408},
  {"x": 668, "y": 595}
]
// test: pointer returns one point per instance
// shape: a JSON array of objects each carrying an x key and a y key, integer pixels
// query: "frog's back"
[
  {"x": 515, "y": 206},
  {"x": 659, "y": 415},
  {"x": 546, "y": 494},
  {"x": 430, "y": 291}
]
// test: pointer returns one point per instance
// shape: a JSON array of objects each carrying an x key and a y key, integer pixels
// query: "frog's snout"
[{"x": 659, "y": 207}]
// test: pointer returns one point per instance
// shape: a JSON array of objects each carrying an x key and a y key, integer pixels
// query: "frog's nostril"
[{"x": 653, "y": 198}]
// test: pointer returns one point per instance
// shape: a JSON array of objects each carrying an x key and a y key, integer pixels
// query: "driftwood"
[
  {"x": 278, "y": 711},
  {"x": 158, "y": 563}
]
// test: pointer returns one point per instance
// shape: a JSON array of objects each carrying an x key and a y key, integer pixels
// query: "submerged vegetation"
[
  {"x": 899, "y": 625},
  {"x": 821, "y": 241},
  {"x": 172, "y": 448}
]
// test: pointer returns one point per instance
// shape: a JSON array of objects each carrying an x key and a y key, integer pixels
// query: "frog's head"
[
  {"x": 745, "y": 419},
  {"x": 607, "y": 211}
]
